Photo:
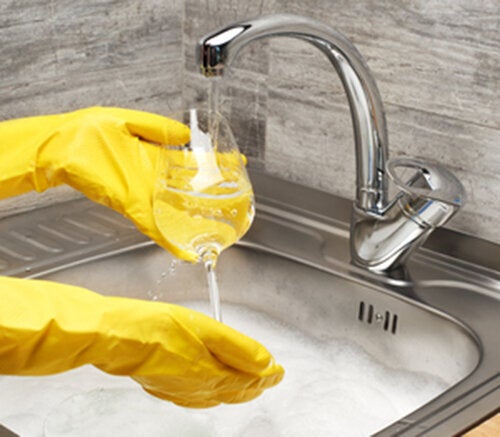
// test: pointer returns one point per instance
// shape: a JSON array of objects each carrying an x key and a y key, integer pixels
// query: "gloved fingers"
[
  {"x": 230, "y": 367},
  {"x": 240, "y": 388},
  {"x": 208, "y": 390},
  {"x": 151, "y": 127},
  {"x": 200, "y": 402},
  {"x": 228, "y": 390},
  {"x": 231, "y": 347},
  {"x": 188, "y": 402},
  {"x": 242, "y": 353}
]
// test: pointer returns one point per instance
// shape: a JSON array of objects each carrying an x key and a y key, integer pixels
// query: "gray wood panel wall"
[
  {"x": 61, "y": 55},
  {"x": 436, "y": 64}
]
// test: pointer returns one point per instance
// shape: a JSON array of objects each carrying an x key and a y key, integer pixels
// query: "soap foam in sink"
[
  {"x": 330, "y": 388},
  {"x": 122, "y": 412}
]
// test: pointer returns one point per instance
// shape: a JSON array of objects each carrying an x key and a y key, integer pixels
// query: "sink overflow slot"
[{"x": 367, "y": 314}]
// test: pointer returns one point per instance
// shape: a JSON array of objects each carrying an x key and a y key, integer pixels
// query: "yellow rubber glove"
[
  {"x": 103, "y": 152},
  {"x": 175, "y": 353}
]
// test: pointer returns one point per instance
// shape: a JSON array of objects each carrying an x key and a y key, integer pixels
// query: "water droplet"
[
  {"x": 172, "y": 267},
  {"x": 234, "y": 212}
]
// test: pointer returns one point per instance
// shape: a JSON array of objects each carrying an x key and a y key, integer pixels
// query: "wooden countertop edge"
[{"x": 489, "y": 428}]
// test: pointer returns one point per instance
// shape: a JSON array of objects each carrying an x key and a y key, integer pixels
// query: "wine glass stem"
[{"x": 209, "y": 260}]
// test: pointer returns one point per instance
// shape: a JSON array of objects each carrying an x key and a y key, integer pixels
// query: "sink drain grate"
[{"x": 368, "y": 314}]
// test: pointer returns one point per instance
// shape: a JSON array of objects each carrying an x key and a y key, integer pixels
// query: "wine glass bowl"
[{"x": 203, "y": 200}]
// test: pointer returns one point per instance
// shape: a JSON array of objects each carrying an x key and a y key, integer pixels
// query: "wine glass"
[{"x": 203, "y": 200}]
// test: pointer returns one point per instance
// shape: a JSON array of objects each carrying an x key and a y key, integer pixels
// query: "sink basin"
[{"x": 416, "y": 355}]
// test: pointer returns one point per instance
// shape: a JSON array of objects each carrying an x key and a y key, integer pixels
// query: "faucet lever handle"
[
  {"x": 428, "y": 180},
  {"x": 430, "y": 193}
]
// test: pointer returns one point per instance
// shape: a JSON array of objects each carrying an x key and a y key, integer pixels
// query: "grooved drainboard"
[{"x": 47, "y": 237}]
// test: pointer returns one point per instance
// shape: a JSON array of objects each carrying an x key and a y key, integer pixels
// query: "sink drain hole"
[
  {"x": 387, "y": 320},
  {"x": 394, "y": 323},
  {"x": 370, "y": 314},
  {"x": 361, "y": 311}
]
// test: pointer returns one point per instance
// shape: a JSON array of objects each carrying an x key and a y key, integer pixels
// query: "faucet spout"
[{"x": 216, "y": 51}]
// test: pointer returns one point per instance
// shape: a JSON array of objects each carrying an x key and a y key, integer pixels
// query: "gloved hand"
[
  {"x": 103, "y": 152},
  {"x": 175, "y": 353}
]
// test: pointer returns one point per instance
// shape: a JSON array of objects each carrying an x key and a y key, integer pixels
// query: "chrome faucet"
[{"x": 383, "y": 232}]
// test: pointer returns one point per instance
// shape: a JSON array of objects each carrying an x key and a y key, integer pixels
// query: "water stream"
[
  {"x": 213, "y": 287},
  {"x": 214, "y": 95}
]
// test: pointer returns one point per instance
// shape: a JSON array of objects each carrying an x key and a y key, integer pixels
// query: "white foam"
[{"x": 330, "y": 388}]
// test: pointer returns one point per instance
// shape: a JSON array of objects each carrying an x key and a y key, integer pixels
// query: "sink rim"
[
  {"x": 67, "y": 273},
  {"x": 301, "y": 207}
]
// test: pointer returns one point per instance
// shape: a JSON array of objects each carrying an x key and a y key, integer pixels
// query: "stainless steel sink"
[{"x": 294, "y": 265}]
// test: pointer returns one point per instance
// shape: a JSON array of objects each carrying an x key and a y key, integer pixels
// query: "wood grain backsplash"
[{"x": 437, "y": 65}]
